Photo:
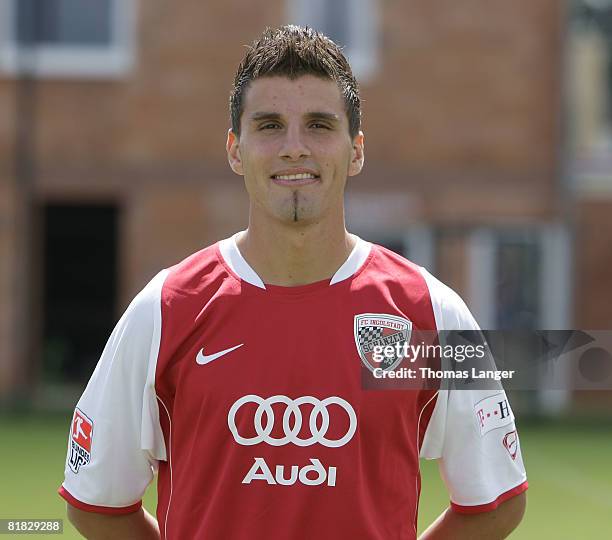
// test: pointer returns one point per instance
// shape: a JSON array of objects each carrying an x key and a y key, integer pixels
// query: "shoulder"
[
  {"x": 182, "y": 280},
  {"x": 389, "y": 262},
  {"x": 451, "y": 312},
  {"x": 387, "y": 269},
  {"x": 201, "y": 271}
]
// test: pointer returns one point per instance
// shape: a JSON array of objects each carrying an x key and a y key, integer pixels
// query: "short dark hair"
[{"x": 293, "y": 51}]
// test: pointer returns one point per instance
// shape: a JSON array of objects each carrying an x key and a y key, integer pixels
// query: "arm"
[
  {"x": 497, "y": 524},
  {"x": 473, "y": 436},
  {"x": 115, "y": 441},
  {"x": 139, "y": 525}
]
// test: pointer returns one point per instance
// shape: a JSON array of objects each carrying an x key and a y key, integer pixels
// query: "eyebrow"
[{"x": 331, "y": 117}]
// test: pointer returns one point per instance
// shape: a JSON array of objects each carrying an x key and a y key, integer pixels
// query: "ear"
[
  {"x": 357, "y": 155},
  {"x": 232, "y": 146}
]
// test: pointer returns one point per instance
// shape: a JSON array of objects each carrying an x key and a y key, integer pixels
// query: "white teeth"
[{"x": 301, "y": 176}]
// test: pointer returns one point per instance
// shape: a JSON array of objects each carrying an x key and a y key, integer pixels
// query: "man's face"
[{"x": 294, "y": 150}]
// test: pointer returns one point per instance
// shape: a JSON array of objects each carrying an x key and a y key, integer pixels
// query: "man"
[{"x": 237, "y": 373}]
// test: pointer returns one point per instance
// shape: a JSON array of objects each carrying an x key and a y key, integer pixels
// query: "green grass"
[
  {"x": 32, "y": 455},
  {"x": 569, "y": 469}
]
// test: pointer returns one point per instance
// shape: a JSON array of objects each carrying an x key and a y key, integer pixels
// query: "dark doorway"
[{"x": 80, "y": 287}]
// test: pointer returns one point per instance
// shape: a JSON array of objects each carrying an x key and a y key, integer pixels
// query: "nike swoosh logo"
[{"x": 202, "y": 358}]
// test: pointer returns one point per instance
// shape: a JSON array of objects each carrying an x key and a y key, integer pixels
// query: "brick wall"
[
  {"x": 594, "y": 264},
  {"x": 461, "y": 119}
]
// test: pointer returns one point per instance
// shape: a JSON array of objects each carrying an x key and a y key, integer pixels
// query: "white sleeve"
[
  {"x": 471, "y": 432},
  {"x": 115, "y": 437}
]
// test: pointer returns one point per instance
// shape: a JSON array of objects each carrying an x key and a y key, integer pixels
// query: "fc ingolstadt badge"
[{"x": 375, "y": 332}]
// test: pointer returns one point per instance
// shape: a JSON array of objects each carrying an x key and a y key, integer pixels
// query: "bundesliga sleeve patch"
[
  {"x": 492, "y": 413},
  {"x": 81, "y": 433}
]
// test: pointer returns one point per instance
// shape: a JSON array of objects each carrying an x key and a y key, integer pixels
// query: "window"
[
  {"x": 80, "y": 254},
  {"x": 520, "y": 279},
  {"x": 591, "y": 44},
  {"x": 590, "y": 93},
  {"x": 516, "y": 277},
  {"x": 67, "y": 38},
  {"x": 517, "y": 269},
  {"x": 352, "y": 24}
]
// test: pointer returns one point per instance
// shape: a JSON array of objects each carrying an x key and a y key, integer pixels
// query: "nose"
[{"x": 294, "y": 146}]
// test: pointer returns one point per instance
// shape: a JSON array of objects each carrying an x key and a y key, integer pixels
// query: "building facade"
[{"x": 113, "y": 164}]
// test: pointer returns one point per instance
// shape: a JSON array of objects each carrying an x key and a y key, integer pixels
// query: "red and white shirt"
[{"x": 248, "y": 401}]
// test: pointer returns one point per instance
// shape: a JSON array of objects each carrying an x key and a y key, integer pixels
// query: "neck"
[{"x": 289, "y": 256}]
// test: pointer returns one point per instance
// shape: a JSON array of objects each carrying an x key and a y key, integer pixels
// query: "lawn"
[{"x": 569, "y": 469}]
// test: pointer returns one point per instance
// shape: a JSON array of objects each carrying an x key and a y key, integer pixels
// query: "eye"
[
  {"x": 270, "y": 125},
  {"x": 318, "y": 125}
]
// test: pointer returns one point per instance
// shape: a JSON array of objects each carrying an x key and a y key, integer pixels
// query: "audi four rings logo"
[{"x": 291, "y": 434}]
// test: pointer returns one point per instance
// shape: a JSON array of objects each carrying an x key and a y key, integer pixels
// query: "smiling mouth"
[
  {"x": 299, "y": 176},
  {"x": 300, "y": 179}
]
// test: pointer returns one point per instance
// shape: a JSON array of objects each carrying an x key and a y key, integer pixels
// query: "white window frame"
[
  {"x": 362, "y": 51},
  {"x": 71, "y": 61}
]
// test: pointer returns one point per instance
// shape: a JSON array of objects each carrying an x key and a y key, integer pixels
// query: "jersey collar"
[{"x": 234, "y": 259}]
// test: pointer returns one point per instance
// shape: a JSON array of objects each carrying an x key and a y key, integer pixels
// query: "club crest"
[{"x": 373, "y": 330}]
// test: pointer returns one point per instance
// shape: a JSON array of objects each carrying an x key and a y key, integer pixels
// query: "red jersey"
[{"x": 248, "y": 401}]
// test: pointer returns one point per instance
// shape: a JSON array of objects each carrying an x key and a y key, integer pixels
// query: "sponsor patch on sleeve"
[
  {"x": 492, "y": 413},
  {"x": 81, "y": 433}
]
